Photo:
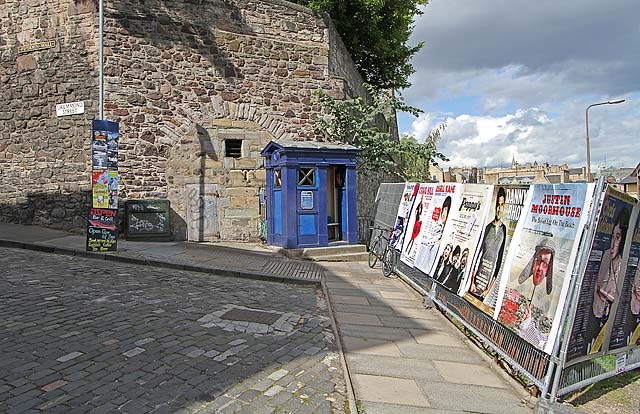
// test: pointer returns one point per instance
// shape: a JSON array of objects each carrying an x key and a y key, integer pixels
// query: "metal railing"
[
  {"x": 542, "y": 369},
  {"x": 521, "y": 355},
  {"x": 585, "y": 373}
]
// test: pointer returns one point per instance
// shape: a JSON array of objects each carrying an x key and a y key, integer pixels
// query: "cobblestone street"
[{"x": 80, "y": 335}]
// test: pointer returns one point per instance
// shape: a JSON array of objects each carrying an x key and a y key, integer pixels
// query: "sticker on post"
[{"x": 306, "y": 200}]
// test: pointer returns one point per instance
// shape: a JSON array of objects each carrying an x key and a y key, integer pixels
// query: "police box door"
[{"x": 335, "y": 203}]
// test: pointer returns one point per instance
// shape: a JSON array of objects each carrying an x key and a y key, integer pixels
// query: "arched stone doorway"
[{"x": 214, "y": 175}]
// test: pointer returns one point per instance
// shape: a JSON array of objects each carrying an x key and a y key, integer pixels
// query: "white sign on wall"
[{"x": 70, "y": 108}]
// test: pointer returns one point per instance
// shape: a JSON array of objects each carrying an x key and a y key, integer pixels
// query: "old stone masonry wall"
[
  {"x": 199, "y": 88},
  {"x": 47, "y": 51}
]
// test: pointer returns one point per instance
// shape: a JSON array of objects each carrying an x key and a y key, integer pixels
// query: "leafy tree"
[
  {"x": 361, "y": 124},
  {"x": 376, "y": 33},
  {"x": 415, "y": 157}
]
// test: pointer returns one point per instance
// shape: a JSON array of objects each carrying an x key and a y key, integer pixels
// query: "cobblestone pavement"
[{"x": 80, "y": 335}]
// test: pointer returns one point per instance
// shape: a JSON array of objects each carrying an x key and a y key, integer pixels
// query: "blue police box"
[{"x": 311, "y": 193}]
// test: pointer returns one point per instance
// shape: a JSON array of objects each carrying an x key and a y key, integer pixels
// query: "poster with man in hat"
[{"x": 541, "y": 260}]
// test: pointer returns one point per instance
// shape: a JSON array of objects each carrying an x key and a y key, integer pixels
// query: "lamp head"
[{"x": 617, "y": 101}]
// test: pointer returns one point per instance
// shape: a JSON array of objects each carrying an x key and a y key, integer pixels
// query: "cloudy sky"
[{"x": 514, "y": 77}]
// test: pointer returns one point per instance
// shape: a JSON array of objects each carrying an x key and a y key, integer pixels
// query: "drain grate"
[{"x": 246, "y": 315}]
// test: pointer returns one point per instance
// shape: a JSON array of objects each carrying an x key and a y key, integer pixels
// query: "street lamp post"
[{"x": 617, "y": 101}]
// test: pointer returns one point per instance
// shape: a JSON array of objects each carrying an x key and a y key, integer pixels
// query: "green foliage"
[
  {"x": 376, "y": 32},
  {"x": 361, "y": 124},
  {"x": 415, "y": 157}
]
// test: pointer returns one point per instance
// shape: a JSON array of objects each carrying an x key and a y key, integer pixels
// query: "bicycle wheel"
[
  {"x": 373, "y": 252},
  {"x": 389, "y": 262}
]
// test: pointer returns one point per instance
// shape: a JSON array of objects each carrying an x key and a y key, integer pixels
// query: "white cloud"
[
  {"x": 483, "y": 60},
  {"x": 422, "y": 126},
  {"x": 531, "y": 135}
]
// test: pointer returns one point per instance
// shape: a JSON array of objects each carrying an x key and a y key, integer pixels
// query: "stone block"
[
  {"x": 222, "y": 122},
  {"x": 243, "y": 201},
  {"x": 389, "y": 390},
  {"x": 241, "y": 192},
  {"x": 230, "y": 212},
  {"x": 231, "y": 133},
  {"x": 245, "y": 163},
  {"x": 213, "y": 164}
]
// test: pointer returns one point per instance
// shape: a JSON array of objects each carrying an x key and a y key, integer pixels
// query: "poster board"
[
  {"x": 404, "y": 213},
  {"x": 417, "y": 225},
  {"x": 444, "y": 196},
  {"x": 602, "y": 279},
  {"x": 625, "y": 332},
  {"x": 484, "y": 279},
  {"x": 539, "y": 264},
  {"x": 461, "y": 237}
]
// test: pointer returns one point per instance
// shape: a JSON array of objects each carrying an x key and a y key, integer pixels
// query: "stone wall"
[
  {"x": 184, "y": 79},
  {"x": 44, "y": 167}
]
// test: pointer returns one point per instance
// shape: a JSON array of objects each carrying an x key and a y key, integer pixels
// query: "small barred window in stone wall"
[
  {"x": 233, "y": 148},
  {"x": 277, "y": 178},
  {"x": 306, "y": 176}
]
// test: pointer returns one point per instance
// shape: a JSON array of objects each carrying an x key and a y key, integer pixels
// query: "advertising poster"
[
  {"x": 539, "y": 264},
  {"x": 99, "y": 185},
  {"x": 417, "y": 224},
  {"x": 485, "y": 270},
  {"x": 444, "y": 196},
  {"x": 460, "y": 238},
  {"x": 99, "y": 160},
  {"x": 112, "y": 188},
  {"x": 101, "y": 230},
  {"x": 112, "y": 150},
  {"x": 625, "y": 331},
  {"x": 602, "y": 277},
  {"x": 99, "y": 143},
  {"x": 404, "y": 210}
]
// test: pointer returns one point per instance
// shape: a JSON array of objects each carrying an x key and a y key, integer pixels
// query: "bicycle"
[{"x": 380, "y": 249}]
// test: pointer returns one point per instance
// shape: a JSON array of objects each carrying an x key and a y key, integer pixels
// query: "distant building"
[
  {"x": 463, "y": 175},
  {"x": 628, "y": 183},
  {"x": 624, "y": 179},
  {"x": 436, "y": 174},
  {"x": 535, "y": 173}
]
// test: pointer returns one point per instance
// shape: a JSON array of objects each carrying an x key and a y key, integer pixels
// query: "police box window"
[
  {"x": 233, "y": 148},
  {"x": 277, "y": 178},
  {"x": 306, "y": 176}
]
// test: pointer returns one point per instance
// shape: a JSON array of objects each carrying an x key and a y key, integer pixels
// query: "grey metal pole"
[
  {"x": 101, "y": 60},
  {"x": 586, "y": 117}
]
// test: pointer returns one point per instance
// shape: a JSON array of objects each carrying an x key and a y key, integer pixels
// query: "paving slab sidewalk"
[
  {"x": 404, "y": 358},
  {"x": 227, "y": 259}
]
